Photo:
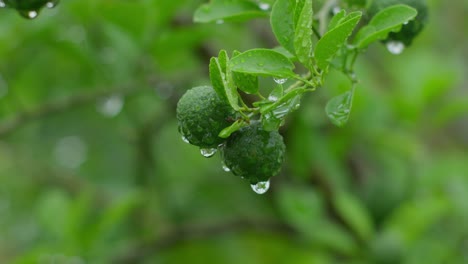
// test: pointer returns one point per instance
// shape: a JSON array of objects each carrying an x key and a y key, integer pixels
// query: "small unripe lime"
[
  {"x": 410, "y": 30},
  {"x": 27, "y": 4},
  {"x": 201, "y": 115},
  {"x": 254, "y": 153}
]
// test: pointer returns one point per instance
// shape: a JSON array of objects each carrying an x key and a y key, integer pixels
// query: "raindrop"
[
  {"x": 2, "y": 4},
  {"x": 225, "y": 167},
  {"x": 219, "y": 21},
  {"x": 261, "y": 187},
  {"x": 185, "y": 139},
  {"x": 336, "y": 10},
  {"x": 406, "y": 23},
  {"x": 272, "y": 98},
  {"x": 208, "y": 152},
  {"x": 31, "y": 14},
  {"x": 110, "y": 106},
  {"x": 51, "y": 4},
  {"x": 395, "y": 47},
  {"x": 264, "y": 6},
  {"x": 70, "y": 152},
  {"x": 280, "y": 80}
]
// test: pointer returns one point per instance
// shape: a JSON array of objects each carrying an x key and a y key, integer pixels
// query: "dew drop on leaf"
[
  {"x": 272, "y": 98},
  {"x": 261, "y": 187},
  {"x": 225, "y": 167},
  {"x": 30, "y": 14},
  {"x": 184, "y": 139},
  {"x": 264, "y": 6},
  {"x": 336, "y": 10},
  {"x": 208, "y": 152},
  {"x": 52, "y": 4},
  {"x": 395, "y": 47},
  {"x": 338, "y": 108},
  {"x": 280, "y": 80},
  {"x": 2, "y": 4},
  {"x": 110, "y": 106}
]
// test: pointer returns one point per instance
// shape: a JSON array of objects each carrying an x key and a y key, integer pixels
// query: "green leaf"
[
  {"x": 301, "y": 207},
  {"x": 336, "y": 19},
  {"x": 246, "y": 82},
  {"x": 263, "y": 62},
  {"x": 276, "y": 93},
  {"x": 285, "y": 52},
  {"x": 304, "y": 210},
  {"x": 282, "y": 23},
  {"x": 227, "y": 10},
  {"x": 331, "y": 42},
  {"x": 288, "y": 98},
  {"x": 225, "y": 133},
  {"x": 390, "y": 19},
  {"x": 303, "y": 34},
  {"x": 354, "y": 213},
  {"x": 223, "y": 60},
  {"x": 274, "y": 112},
  {"x": 338, "y": 108},
  {"x": 222, "y": 83},
  {"x": 298, "y": 6},
  {"x": 216, "y": 77}
]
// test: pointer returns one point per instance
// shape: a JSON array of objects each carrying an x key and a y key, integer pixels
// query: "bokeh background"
[{"x": 92, "y": 169}]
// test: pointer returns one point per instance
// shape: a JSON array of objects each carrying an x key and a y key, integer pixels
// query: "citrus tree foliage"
[
  {"x": 300, "y": 44},
  {"x": 373, "y": 166}
]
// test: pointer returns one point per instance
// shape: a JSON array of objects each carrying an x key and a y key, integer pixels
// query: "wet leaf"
[
  {"x": 338, "y": 108},
  {"x": 282, "y": 23},
  {"x": 263, "y": 62},
  {"x": 245, "y": 82},
  {"x": 390, "y": 19},
  {"x": 225, "y": 133},
  {"x": 227, "y": 10},
  {"x": 333, "y": 40},
  {"x": 303, "y": 34},
  {"x": 221, "y": 82}
]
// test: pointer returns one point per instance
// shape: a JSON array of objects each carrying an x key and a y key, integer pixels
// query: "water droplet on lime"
[
  {"x": 264, "y": 6},
  {"x": 280, "y": 80},
  {"x": 184, "y": 139},
  {"x": 208, "y": 152},
  {"x": 395, "y": 47},
  {"x": 261, "y": 187}
]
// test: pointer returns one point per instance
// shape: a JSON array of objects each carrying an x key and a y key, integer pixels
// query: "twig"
[
  {"x": 323, "y": 13},
  {"x": 48, "y": 109}
]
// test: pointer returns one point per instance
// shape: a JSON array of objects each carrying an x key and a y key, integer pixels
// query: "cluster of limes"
[
  {"x": 28, "y": 8},
  {"x": 251, "y": 152}
]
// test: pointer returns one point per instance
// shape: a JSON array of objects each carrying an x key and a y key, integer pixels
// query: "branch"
[
  {"x": 51, "y": 108},
  {"x": 171, "y": 238}
]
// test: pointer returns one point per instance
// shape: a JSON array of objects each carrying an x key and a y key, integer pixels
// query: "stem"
[
  {"x": 322, "y": 15},
  {"x": 316, "y": 32}
]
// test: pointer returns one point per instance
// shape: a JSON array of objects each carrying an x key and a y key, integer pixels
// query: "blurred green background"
[{"x": 92, "y": 169}]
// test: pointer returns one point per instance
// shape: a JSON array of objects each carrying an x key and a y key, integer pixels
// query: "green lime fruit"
[
  {"x": 30, "y": 8},
  {"x": 30, "y": 4},
  {"x": 254, "y": 153},
  {"x": 201, "y": 115},
  {"x": 410, "y": 30}
]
